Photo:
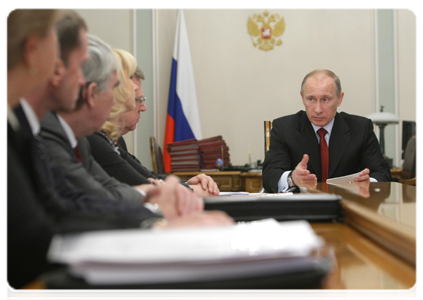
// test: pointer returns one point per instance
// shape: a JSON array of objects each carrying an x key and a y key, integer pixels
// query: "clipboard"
[{"x": 60, "y": 282}]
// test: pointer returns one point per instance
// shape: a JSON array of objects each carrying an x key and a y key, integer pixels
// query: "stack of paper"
[{"x": 181, "y": 255}]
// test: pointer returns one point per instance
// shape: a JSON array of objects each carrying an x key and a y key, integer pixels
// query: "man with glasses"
[{"x": 115, "y": 159}]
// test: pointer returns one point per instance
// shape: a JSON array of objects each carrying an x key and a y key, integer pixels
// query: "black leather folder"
[
  {"x": 306, "y": 274},
  {"x": 310, "y": 207}
]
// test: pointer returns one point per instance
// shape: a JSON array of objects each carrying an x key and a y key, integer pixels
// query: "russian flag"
[{"x": 183, "y": 119}]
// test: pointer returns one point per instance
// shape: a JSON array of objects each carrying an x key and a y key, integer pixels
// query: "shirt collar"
[
  {"x": 12, "y": 119},
  {"x": 32, "y": 118},
  {"x": 328, "y": 127},
  {"x": 69, "y": 132}
]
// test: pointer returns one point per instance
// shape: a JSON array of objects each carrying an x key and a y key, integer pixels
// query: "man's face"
[
  {"x": 66, "y": 93},
  {"x": 104, "y": 102},
  {"x": 320, "y": 99},
  {"x": 131, "y": 118}
]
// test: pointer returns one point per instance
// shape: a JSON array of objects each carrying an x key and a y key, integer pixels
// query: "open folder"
[
  {"x": 191, "y": 258},
  {"x": 282, "y": 207}
]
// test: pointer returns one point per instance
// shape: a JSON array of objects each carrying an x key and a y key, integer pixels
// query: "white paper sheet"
[{"x": 343, "y": 179}]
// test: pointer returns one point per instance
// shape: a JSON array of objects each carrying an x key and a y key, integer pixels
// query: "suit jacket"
[
  {"x": 133, "y": 161},
  {"x": 353, "y": 146},
  {"x": 117, "y": 162},
  {"x": 41, "y": 204},
  {"x": 88, "y": 176}
]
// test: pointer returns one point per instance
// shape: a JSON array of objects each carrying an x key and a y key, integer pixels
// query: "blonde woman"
[
  {"x": 117, "y": 162},
  {"x": 124, "y": 95}
]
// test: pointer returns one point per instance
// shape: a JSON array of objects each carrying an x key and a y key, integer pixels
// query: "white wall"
[
  {"x": 406, "y": 66},
  {"x": 239, "y": 86}
]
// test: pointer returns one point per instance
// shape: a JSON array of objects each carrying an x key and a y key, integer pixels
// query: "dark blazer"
[
  {"x": 122, "y": 166},
  {"x": 88, "y": 176},
  {"x": 353, "y": 146},
  {"x": 40, "y": 204}
]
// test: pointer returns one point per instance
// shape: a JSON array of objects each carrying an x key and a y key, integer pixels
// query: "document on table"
[
  {"x": 233, "y": 193},
  {"x": 343, "y": 179},
  {"x": 181, "y": 255}
]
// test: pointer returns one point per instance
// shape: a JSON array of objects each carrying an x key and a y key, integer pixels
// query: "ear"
[
  {"x": 30, "y": 51},
  {"x": 91, "y": 94},
  {"x": 59, "y": 72},
  {"x": 341, "y": 97},
  {"x": 302, "y": 98}
]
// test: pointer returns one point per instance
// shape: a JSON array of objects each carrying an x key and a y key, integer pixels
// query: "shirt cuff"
[
  {"x": 153, "y": 208},
  {"x": 141, "y": 192},
  {"x": 283, "y": 182}
]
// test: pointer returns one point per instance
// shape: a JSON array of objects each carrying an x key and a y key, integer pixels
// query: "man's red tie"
[
  {"x": 324, "y": 154},
  {"x": 77, "y": 153}
]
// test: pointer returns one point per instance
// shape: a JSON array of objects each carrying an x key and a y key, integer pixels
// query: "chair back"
[
  {"x": 156, "y": 156},
  {"x": 409, "y": 166},
  {"x": 267, "y": 128}
]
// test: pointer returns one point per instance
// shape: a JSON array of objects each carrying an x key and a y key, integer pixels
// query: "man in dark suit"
[
  {"x": 42, "y": 203},
  {"x": 294, "y": 154},
  {"x": 65, "y": 132}
]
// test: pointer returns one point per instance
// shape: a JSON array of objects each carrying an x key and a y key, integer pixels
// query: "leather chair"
[
  {"x": 410, "y": 172},
  {"x": 267, "y": 128},
  {"x": 156, "y": 156}
]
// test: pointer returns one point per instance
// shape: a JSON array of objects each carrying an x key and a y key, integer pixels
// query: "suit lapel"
[
  {"x": 308, "y": 142},
  {"x": 51, "y": 125},
  {"x": 339, "y": 141}
]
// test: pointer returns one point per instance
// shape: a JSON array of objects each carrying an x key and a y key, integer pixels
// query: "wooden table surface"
[{"x": 365, "y": 268}]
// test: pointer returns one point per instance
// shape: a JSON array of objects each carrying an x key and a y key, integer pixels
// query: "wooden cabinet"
[{"x": 231, "y": 181}]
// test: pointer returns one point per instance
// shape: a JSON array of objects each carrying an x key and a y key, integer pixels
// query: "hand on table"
[
  {"x": 203, "y": 185},
  {"x": 363, "y": 176},
  {"x": 174, "y": 199}
]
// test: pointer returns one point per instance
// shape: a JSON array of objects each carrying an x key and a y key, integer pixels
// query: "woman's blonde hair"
[
  {"x": 21, "y": 23},
  {"x": 126, "y": 68}
]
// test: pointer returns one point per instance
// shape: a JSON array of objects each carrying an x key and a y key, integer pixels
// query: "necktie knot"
[{"x": 322, "y": 132}]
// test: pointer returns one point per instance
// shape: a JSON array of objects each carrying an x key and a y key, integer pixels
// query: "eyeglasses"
[{"x": 141, "y": 99}]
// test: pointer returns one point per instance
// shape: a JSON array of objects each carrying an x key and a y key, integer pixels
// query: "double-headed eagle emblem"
[{"x": 264, "y": 36}]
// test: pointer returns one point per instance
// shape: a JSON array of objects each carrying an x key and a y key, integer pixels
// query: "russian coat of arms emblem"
[{"x": 265, "y": 29}]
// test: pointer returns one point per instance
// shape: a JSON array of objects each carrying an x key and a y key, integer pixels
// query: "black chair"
[
  {"x": 267, "y": 128},
  {"x": 410, "y": 172},
  {"x": 156, "y": 156}
]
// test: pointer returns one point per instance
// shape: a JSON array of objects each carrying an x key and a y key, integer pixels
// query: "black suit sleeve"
[
  {"x": 278, "y": 158},
  {"x": 372, "y": 157},
  {"x": 116, "y": 165}
]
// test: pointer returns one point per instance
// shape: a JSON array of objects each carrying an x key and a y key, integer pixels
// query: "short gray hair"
[
  {"x": 139, "y": 74},
  {"x": 327, "y": 73},
  {"x": 100, "y": 64}
]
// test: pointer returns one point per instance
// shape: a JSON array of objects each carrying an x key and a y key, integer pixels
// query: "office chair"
[
  {"x": 156, "y": 156},
  {"x": 410, "y": 172},
  {"x": 267, "y": 128}
]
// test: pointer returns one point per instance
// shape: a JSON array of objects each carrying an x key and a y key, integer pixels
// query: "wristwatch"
[{"x": 289, "y": 179}]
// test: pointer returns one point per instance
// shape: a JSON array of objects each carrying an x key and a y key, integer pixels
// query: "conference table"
[
  {"x": 377, "y": 250},
  {"x": 230, "y": 181}
]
